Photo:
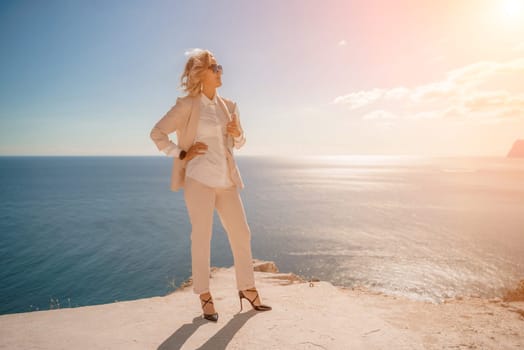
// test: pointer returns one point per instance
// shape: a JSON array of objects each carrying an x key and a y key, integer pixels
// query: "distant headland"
[{"x": 517, "y": 151}]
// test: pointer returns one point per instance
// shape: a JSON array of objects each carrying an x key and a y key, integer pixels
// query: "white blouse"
[{"x": 211, "y": 167}]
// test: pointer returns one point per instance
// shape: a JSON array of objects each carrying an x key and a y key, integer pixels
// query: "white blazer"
[{"x": 183, "y": 119}]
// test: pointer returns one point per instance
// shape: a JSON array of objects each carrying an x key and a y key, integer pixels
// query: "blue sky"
[{"x": 310, "y": 77}]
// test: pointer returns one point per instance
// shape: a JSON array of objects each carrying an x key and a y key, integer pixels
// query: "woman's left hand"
[{"x": 233, "y": 128}]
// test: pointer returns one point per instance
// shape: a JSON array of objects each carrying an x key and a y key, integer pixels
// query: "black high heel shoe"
[
  {"x": 260, "y": 307},
  {"x": 210, "y": 317}
]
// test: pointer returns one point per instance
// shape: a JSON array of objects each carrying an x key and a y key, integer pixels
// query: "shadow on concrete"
[{"x": 218, "y": 341}]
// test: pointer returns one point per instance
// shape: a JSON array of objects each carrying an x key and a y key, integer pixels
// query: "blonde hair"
[{"x": 191, "y": 79}]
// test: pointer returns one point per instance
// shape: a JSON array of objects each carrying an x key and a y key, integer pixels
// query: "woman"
[{"x": 207, "y": 128}]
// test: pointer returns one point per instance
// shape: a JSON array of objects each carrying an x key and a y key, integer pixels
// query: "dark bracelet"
[{"x": 182, "y": 155}]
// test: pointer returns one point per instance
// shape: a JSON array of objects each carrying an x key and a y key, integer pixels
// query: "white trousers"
[{"x": 201, "y": 201}]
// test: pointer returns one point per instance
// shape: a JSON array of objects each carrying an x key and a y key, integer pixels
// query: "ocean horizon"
[{"x": 87, "y": 230}]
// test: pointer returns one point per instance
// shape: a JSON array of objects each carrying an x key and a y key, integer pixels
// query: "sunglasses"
[{"x": 215, "y": 68}]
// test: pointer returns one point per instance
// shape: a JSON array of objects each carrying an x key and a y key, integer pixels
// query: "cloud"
[
  {"x": 493, "y": 100},
  {"x": 460, "y": 92},
  {"x": 477, "y": 73},
  {"x": 432, "y": 92},
  {"x": 379, "y": 114},
  {"x": 397, "y": 93},
  {"x": 359, "y": 99},
  {"x": 342, "y": 43}
]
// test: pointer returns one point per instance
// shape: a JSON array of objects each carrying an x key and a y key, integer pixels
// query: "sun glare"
[{"x": 512, "y": 8}]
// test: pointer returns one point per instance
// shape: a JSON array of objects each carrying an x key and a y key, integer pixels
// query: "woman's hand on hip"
[
  {"x": 233, "y": 128},
  {"x": 197, "y": 149}
]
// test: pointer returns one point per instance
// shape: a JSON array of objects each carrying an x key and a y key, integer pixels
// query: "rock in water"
[
  {"x": 517, "y": 151},
  {"x": 264, "y": 266}
]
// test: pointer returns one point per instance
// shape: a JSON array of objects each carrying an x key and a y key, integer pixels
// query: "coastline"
[{"x": 305, "y": 315}]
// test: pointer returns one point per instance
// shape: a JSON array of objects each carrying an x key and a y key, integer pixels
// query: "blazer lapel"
[{"x": 193, "y": 122}]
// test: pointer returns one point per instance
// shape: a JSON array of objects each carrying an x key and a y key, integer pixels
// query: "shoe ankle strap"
[{"x": 210, "y": 301}]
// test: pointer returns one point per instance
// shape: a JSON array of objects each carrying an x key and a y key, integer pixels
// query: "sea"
[{"x": 88, "y": 230}]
